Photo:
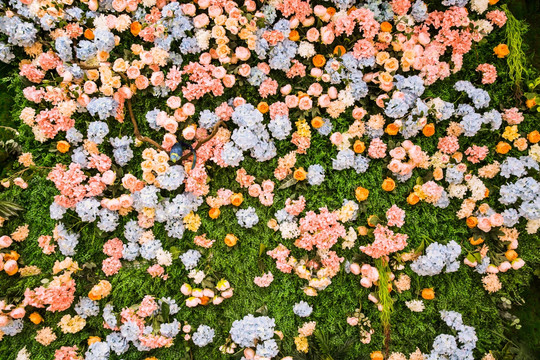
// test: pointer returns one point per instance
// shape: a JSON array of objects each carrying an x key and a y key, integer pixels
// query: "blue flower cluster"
[
  {"x": 103, "y": 107},
  {"x": 67, "y": 241},
  {"x": 446, "y": 346},
  {"x": 122, "y": 152},
  {"x": 251, "y": 134},
  {"x": 347, "y": 159},
  {"x": 280, "y": 127},
  {"x": 87, "y": 307},
  {"x": 97, "y": 130},
  {"x": 172, "y": 178},
  {"x": 13, "y": 327},
  {"x": 5, "y": 53},
  {"x": 436, "y": 258},
  {"x": 247, "y": 218},
  {"x": 172, "y": 212},
  {"x": 19, "y": 33},
  {"x": 479, "y": 97},
  {"x": 252, "y": 329},
  {"x": 518, "y": 167},
  {"x": 302, "y": 309},
  {"x": 528, "y": 191},
  {"x": 190, "y": 259},
  {"x": 203, "y": 336},
  {"x": 315, "y": 174}
]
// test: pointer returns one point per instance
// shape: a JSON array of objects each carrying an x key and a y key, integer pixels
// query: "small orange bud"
[
  {"x": 237, "y": 199},
  {"x": 230, "y": 240},
  {"x": 294, "y": 35},
  {"x": 93, "y": 339},
  {"x": 359, "y": 147},
  {"x": 428, "y": 130},
  {"x": 376, "y": 355},
  {"x": 214, "y": 213},
  {"x": 362, "y": 230},
  {"x": 534, "y": 137},
  {"x": 89, "y": 34},
  {"x": 503, "y": 147},
  {"x": 501, "y": 50},
  {"x": 35, "y": 318},
  {"x": 361, "y": 193},
  {"x": 62, "y": 146},
  {"x": 472, "y": 221},
  {"x": 511, "y": 255},
  {"x": 413, "y": 199},
  {"x": 530, "y": 103},
  {"x": 388, "y": 184},
  {"x": 300, "y": 174},
  {"x": 386, "y": 26},
  {"x": 317, "y": 122},
  {"x": 428, "y": 294},
  {"x": 475, "y": 242},
  {"x": 263, "y": 107}
]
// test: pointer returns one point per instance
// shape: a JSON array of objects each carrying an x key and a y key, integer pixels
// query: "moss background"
[{"x": 460, "y": 291}]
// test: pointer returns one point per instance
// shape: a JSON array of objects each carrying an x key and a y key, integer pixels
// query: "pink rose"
[
  {"x": 355, "y": 268},
  {"x": 171, "y": 125},
  {"x": 219, "y": 72},
  {"x": 505, "y": 266},
  {"x": 208, "y": 293},
  {"x": 227, "y": 293},
  {"x": 365, "y": 282},
  {"x": 132, "y": 72},
  {"x": 217, "y": 300},
  {"x": 249, "y": 353},
  {"x": 229, "y": 80},
  {"x": 332, "y": 92},
  {"x": 244, "y": 70},
  {"x": 189, "y": 133},
  {"x": 90, "y": 87},
  {"x": 286, "y": 90},
  {"x": 186, "y": 289},
  {"x": 238, "y": 101},
  {"x": 203, "y": 4},
  {"x": 254, "y": 190},
  {"x": 5, "y": 241},
  {"x": 10, "y": 266},
  {"x": 484, "y": 224},
  {"x": 307, "y": 22},
  {"x": 125, "y": 92},
  {"x": 327, "y": 35},
  {"x": 470, "y": 263},
  {"x": 496, "y": 219},
  {"x": 492, "y": 269},
  {"x": 336, "y": 138},
  {"x": 326, "y": 77},
  {"x": 518, "y": 264},
  {"x": 205, "y": 58},
  {"x": 192, "y": 302},
  {"x": 189, "y": 9},
  {"x": 268, "y": 186},
  {"x": 291, "y": 101},
  {"x": 4, "y": 320},
  {"x": 316, "y": 72},
  {"x": 305, "y": 103},
  {"x": 168, "y": 141},
  {"x": 250, "y": 5},
  {"x": 108, "y": 177},
  {"x": 312, "y": 35},
  {"x": 174, "y": 102},
  {"x": 394, "y": 166},
  {"x": 201, "y": 20},
  {"x": 242, "y": 53},
  {"x": 157, "y": 78},
  {"x": 353, "y": 321},
  {"x": 324, "y": 101},
  {"x": 319, "y": 10},
  {"x": 188, "y": 109},
  {"x": 141, "y": 82},
  {"x": 315, "y": 89},
  {"x": 359, "y": 113}
]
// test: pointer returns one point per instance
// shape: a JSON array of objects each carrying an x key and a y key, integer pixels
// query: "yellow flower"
[
  {"x": 303, "y": 128},
  {"x": 301, "y": 344},
  {"x": 192, "y": 221},
  {"x": 511, "y": 133}
]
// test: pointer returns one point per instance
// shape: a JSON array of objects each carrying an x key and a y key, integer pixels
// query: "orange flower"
[
  {"x": 386, "y": 26},
  {"x": 339, "y": 50},
  {"x": 458, "y": 156},
  {"x": 392, "y": 129},
  {"x": 135, "y": 28},
  {"x": 472, "y": 221},
  {"x": 294, "y": 36},
  {"x": 376, "y": 355},
  {"x": 493, "y": 2},
  {"x": 331, "y": 11},
  {"x": 93, "y": 339},
  {"x": 359, "y": 147},
  {"x": 263, "y": 107},
  {"x": 511, "y": 255},
  {"x": 319, "y": 60},
  {"x": 413, "y": 199},
  {"x": 205, "y": 300},
  {"x": 12, "y": 255},
  {"x": 362, "y": 230},
  {"x": 438, "y": 174},
  {"x": 230, "y": 240},
  {"x": 317, "y": 122},
  {"x": 62, "y": 146},
  {"x": 501, "y": 50},
  {"x": 388, "y": 184},
  {"x": 503, "y": 147},
  {"x": 530, "y": 103},
  {"x": 534, "y": 137},
  {"x": 428, "y": 130},
  {"x": 300, "y": 174},
  {"x": 89, "y": 34},
  {"x": 361, "y": 193},
  {"x": 428, "y": 294},
  {"x": 474, "y": 241},
  {"x": 237, "y": 199},
  {"x": 35, "y": 318},
  {"x": 214, "y": 213}
]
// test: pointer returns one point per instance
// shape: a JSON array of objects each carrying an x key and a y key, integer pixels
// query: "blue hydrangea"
[
  {"x": 130, "y": 330},
  {"x": 208, "y": 119},
  {"x": 122, "y": 152},
  {"x": 247, "y": 218},
  {"x": 190, "y": 259},
  {"x": 98, "y": 351},
  {"x": 117, "y": 343},
  {"x": 280, "y": 127},
  {"x": 252, "y": 329},
  {"x": 231, "y": 154},
  {"x": 203, "y": 336},
  {"x": 97, "y": 130},
  {"x": 302, "y": 309},
  {"x": 103, "y": 107},
  {"x": 109, "y": 317},
  {"x": 108, "y": 220},
  {"x": 87, "y": 307},
  {"x": 437, "y": 256},
  {"x": 315, "y": 174},
  {"x": 66, "y": 241},
  {"x": 149, "y": 249}
]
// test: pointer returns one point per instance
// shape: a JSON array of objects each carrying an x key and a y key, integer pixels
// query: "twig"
[
  {"x": 136, "y": 128},
  {"x": 200, "y": 143}
]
